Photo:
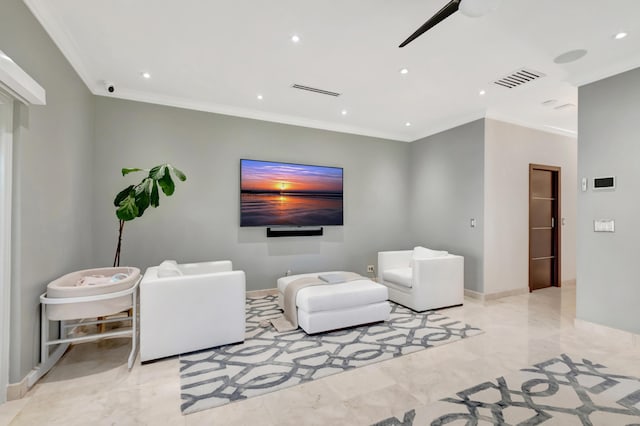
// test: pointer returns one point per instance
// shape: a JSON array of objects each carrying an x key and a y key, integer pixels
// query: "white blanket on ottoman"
[
  {"x": 289, "y": 321},
  {"x": 316, "y": 308}
]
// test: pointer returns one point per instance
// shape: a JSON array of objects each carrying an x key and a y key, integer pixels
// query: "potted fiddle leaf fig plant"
[{"x": 132, "y": 201}]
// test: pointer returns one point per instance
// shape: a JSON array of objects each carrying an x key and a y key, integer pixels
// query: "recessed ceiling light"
[
  {"x": 343, "y": 112},
  {"x": 259, "y": 97},
  {"x": 407, "y": 124},
  {"x": 620, "y": 35},
  {"x": 295, "y": 38},
  {"x": 482, "y": 92},
  {"x": 146, "y": 75},
  {"x": 404, "y": 71}
]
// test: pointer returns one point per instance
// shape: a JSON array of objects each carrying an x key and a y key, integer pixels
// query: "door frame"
[
  {"x": 557, "y": 229},
  {"x": 6, "y": 172},
  {"x": 17, "y": 86}
]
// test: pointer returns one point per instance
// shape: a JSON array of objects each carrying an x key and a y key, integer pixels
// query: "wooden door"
[{"x": 544, "y": 226}]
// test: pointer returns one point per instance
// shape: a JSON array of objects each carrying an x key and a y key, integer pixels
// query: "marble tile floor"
[{"x": 91, "y": 384}]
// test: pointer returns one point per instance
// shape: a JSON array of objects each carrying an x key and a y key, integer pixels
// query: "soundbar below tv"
[{"x": 286, "y": 194}]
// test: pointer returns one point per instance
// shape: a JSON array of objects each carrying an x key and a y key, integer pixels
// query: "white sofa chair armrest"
[
  {"x": 205, "y": 267},
  {"x": 439, "y": 280},
  {"x": 436, "y": 268},
  {"x": 393, "y": 260},
  {"x": 151, "y": 278},
  {"x": 190, "y": 312}
]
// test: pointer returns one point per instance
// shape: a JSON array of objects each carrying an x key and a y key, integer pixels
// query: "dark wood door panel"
[
  {"x": 541, "y": 274},
  {"x": 542, "y": 184},
  {"x": 544, "y": 232},
  {"x": 541, "y": 243},
  {"x": 540, "y": 213}
]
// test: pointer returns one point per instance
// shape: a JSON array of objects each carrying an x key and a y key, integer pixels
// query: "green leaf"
[
  {"x": 122, "y": 195},
  {"x": 127, "y": 209},
  {"x": 142, "y": 195},
  {"x": 127, "y": 171},
  {"x": 132, "y": 201},
  {"x": 144, "y": 186},
  {"x": 142, "y": 202},
  {"x": 167, "y": 185},
  {"x": 155, "y": 195},
  {"x": 157, "y": 172},
  {"x": 178, "y": 173}
]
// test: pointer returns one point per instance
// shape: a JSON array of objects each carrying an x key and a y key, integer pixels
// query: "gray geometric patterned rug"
[
  {"x": 268, "y": 360},
  {"x": 560, "y": 391}
]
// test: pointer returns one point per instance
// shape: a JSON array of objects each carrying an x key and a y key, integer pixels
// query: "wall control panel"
[
  {"x": 606, "y": 183},
  {"x": 604, "y": 225}
]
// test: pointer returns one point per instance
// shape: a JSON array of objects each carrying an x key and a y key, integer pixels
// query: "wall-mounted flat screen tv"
[{"x": 285, "y": 194}]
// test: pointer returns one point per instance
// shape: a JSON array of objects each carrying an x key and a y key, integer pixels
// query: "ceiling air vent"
[
  {"x": 518, "y": 78},
  {"x": 315, "y": 90}
]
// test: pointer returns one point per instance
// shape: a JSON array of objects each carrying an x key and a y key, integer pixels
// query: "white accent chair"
[
  {"x": 188, "y": 307},
  {"x": 422, "y": 279}
]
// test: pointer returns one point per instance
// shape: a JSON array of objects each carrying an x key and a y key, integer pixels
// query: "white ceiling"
[{"x": 217, "y": 55}]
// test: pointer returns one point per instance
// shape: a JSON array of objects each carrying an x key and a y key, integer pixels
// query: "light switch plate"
[{"x": 604, "y": 225}]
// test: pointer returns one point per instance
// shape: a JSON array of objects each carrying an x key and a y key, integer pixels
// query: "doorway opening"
[{"x": 544, "y": 226}]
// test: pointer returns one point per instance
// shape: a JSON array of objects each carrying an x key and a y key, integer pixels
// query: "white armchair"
[
  {"x": 189, "y": 307},
  {"x": 422, "y": 279}
]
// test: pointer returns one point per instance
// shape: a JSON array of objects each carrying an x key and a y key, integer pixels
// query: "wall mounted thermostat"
[{"x": 607, "y": 182}]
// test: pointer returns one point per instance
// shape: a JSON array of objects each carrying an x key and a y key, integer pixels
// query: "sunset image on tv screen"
[{"x": 289, "y": 194}]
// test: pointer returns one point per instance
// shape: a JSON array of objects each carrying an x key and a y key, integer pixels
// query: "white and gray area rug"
[
  {"x": 560, "y": 391},
  {"x": 268, "y": 360}
]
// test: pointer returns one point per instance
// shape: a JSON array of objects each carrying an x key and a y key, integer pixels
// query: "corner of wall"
[{"x": 447, "y": 187}]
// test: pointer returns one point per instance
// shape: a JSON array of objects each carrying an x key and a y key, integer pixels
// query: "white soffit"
[{"x": 19, "y": 84}]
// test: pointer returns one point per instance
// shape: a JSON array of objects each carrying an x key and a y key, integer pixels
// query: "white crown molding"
[
  {"x": 68, "y": 47},
  {"x": 155, "y": 98},
  {"x": 522, "y": 123},
  {"x": 66, "y": 44},
  {"x": 19, "y": 84},
  {"x": 450, "y": 124},
  {"x": 61, "y": 38}
]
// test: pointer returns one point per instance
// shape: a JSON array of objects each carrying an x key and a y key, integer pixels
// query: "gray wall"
[
  {"x": 608, "y": 289},
  {"x": 201, "y": 220},
  {"x": 52, "y": 178},
  {"x": 447, "y": 190}
]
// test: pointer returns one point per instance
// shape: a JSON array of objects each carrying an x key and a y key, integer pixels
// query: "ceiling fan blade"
[{"x": 448, "y": 10}]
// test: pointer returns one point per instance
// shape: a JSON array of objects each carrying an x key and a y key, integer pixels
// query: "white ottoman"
[{"x": 333, "y": 306}]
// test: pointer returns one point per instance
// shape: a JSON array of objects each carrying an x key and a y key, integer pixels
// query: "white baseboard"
[
  {"x": 622, "y": 335},
  {"x": 506, "y": 293},
  {"x": 473, "y": 294},
  {"x": 20, "y": 389},
  {"x": 493, "y": 296},
  {"x": 17, "y": 390}
]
